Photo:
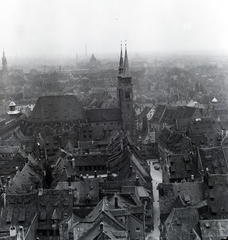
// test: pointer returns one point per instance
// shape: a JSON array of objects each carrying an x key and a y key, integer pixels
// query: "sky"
[{"x": 65, "y": 27}]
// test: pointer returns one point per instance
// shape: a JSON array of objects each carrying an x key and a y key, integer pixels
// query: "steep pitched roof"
[
  {"x": 181, "y": 222},
  {"x": 182, "y": 166},
  {"x": 217, "y": 194},
  {"x": 20, "y": 211},
  {"x": 103, "y": 115},
  {"x": 57, "y": 109},
  {"x": 214, "y": 159},
  {"x": 190, "y": 192}
]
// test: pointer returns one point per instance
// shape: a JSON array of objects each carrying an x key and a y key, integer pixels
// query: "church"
[{"x": 60, "y": 119}]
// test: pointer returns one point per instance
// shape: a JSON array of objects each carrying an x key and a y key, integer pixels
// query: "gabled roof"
[
  {"x": 182, "y": 166},
  {"x": 159, "y": 111},
  {"x": 190, "y": 192},
  {"x": 126, "y": 160},
  {"x": 20, "y": 211},
  {"x": 214, "y": 159},
  {"x": 181, "y": 222},
  {"x": 54, "y": 204},
  {"x": 25, "y": 180},
  {"x": 217, "y": 194},
  {"x": 57, "y": 109}
]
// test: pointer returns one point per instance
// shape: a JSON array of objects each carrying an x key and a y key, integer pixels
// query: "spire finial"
[
  {"x": 120, "y": 69},
  {"x": 126, "y": 72}
]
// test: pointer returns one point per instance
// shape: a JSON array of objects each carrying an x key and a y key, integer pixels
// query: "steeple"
[
  {"x": 4, "y": 61},
  {"x": 120, "y": 68},
  {"x": 126, "y": 72}
]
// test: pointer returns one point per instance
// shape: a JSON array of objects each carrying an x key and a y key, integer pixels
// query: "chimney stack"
[
  {"x": 192, "y": 178},
  {"x": 116, "y": 201},
  {"x": 69, "y": 180},
  {"x": 101, "y": 226}
]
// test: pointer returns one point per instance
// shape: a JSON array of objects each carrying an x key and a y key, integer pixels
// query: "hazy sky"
[{"x": 53, "y": 27}]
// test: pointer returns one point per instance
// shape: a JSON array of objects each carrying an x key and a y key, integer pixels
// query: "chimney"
[
  {"x": 116, "y": 201},
  {"x": 69, "y": 180},
  {"x": 192, "y": 178},
  {"x": 40, "y": 191},
  {"x": 101, "y": 227},
  {"x": 8, "y": 180},
  {"x": 137, "y": 180},
  {"x": 73, "y": 163},
  {"x": 13, "y": 231},
  {"x": 95, "y": 174}
]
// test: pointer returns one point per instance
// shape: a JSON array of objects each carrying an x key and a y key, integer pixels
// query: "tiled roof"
[
  {"x": 57, "y": 109},
  {"x": 20, "y": 211},
  {"x": 103, "y": 115},
  {"x": 210, "y": 129},
  {"x": 159, "y": 111},
  {"x": 53, "y": 204},
  {"x": 214, "y": 229},
  {"x": 8, "y": 149},
  {"x": 213, "y": 159},
  {"x": 217, "y": 195},
  {"x": 182, "y": 166},
  {"x": 168, "y": 116},
  {"x": 190, "y": 192},
  {"x": 180, "y": 223},
  {"x": 127, "y": 161},
  {"x": 25, "y": 181}
]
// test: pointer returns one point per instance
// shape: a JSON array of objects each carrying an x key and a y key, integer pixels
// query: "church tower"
[
  {"x": 4, "y": 69},
  {"x": 125, "y": 94}
]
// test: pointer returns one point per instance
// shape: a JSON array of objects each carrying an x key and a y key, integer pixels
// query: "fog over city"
[{"x": 54, "y": 28}]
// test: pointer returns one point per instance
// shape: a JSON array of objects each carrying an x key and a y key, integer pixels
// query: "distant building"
[{"x": 60, "y": 118}]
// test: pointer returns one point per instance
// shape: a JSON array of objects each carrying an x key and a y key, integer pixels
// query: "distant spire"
[
  {"x": 126, "y": 72},
  {"x": 121, "y": 61},
  {"x": 4, "y": 61}
]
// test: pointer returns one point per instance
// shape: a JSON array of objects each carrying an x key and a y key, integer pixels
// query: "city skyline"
[{"x": 52, "y": 28}]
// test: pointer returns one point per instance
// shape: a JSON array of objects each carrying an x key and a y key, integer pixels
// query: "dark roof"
[
  {"x": 168, "y": 116},
  {"x": 180, "y": 223},
  {"x": 144, "y": 113},
  {"x": 56, "y": 109},
  {"x": 126, "y": 160},
  {"x": 217, "y": 195},
  {"x": 159, "y": 111},
  {"x": 213, "y": 159},
  {"x": 53, "y": 204},
  {"x": 20, "y": 211},
  {"x": 182, "y": 166},
  {"x": 103, "y": 115},
  {"x": 190, "y": 192}
]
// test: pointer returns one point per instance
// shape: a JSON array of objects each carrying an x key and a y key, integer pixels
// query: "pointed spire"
[
  {"x": 126, "y": 72},
  {"x": 120, "y": 68}
]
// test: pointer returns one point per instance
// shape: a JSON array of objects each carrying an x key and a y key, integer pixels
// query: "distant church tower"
[
  {"x": 125, "y": 94},
  {"x": 4, "y": 69}
]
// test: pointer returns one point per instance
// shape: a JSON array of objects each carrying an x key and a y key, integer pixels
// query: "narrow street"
[{"x": 157, "y": 178}]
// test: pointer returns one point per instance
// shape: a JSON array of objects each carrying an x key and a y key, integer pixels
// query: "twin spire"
[{"x": 123, "y": 63}]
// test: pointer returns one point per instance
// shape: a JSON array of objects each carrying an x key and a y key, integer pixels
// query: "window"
[
  {"x": 137, "y": 229},
  {"x": 127, "y": 95}
]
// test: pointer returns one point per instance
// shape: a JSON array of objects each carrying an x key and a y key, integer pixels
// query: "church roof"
[
  {"x": 57, "y": 109},
  {"x": 103, "y": 115}
]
